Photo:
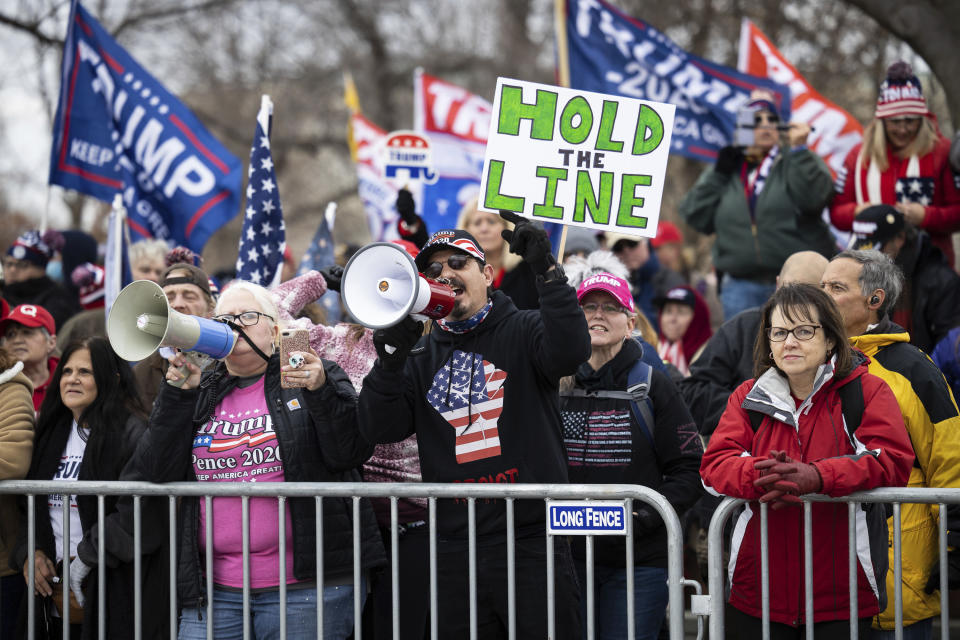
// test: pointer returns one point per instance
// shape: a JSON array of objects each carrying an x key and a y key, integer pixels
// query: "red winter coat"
[
  {"x": 942, "y": 213},
  {"x": 879, "y": 455}
]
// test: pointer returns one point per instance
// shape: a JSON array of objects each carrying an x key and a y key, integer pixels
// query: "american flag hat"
[
  {"x": 901, "y": 93},
  {"x": 449, "y": 239}
]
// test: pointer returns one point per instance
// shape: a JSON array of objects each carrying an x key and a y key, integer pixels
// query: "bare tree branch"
[
  {"x": 31, "y": 27},
  {"x": 135, "y": 20}
]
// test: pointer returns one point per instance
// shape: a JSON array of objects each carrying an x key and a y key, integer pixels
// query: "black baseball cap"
[
  {"x": 449, "y": 239},
  {"x": 875, "y": 226}
]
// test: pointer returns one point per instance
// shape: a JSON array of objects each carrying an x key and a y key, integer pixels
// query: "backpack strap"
[
  {"x": 756, "y": 419},
  {"x": 638, "y": 386},
  {"x": 852, "y": 405}
]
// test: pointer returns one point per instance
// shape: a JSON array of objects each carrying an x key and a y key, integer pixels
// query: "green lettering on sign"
[
  {"x": 578, "y": 106},
  {"x": 541, "y": 113},
  {"x": 608, "y": 116},
  {"x": 649, "y": 131},
  {"x": 599, "y": 206},
  {"x": 493, "y": 199},
  {"x": 629, "y": 200},
  {"x": 549, "y": 208}
]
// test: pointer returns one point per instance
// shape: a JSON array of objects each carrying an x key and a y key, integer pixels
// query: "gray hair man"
[{"x": 866, "y": 285}]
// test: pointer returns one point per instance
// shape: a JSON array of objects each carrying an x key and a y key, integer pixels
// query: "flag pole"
[{"x": 563, "y": 71}]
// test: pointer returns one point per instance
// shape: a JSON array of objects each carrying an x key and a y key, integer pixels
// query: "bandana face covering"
[{"x": 463, "y": 326}]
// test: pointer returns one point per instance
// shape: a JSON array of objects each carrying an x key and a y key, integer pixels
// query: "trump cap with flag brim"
[
  {"x": 875, "y": 226},
  {"x": 449, "y": 239}
]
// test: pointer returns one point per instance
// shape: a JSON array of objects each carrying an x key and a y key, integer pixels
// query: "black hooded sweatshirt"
[
  {"x": 485, "y": 405},
  {"x": 606, "y": 446}
]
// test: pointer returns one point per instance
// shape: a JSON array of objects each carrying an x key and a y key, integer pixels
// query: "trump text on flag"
[
  {"x": 406, "y": 156},
  {"x": 576, "y": 157},
  {"x": 587, "y": 518}
]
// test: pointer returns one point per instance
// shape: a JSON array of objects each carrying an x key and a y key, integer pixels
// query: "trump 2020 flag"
[
  {"x": 263, "y": 239},
  {"x": 118, "y": 130},
  {"x": 610, "y": 52}
]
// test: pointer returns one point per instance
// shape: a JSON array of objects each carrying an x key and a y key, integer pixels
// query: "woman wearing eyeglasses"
[
  {"x": 239, "y": 425},
  {"x": 787, "y": 433},
  {"x": 764, "y": 202},
  {"x": 610, "y": 437},
  {"x": 903, "y": 161}
]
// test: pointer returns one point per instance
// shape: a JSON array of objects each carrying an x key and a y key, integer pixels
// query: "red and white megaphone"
[{"x": 381, "y": 285}]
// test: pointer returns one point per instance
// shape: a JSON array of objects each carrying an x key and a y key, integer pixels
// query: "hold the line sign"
[{"x": 576, "y": 157}]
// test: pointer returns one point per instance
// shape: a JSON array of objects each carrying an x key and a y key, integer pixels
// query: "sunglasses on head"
[{"x": 456, "y": 262}]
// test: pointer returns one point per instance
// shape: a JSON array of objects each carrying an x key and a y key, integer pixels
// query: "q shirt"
[{"x": 67, "y": 471}]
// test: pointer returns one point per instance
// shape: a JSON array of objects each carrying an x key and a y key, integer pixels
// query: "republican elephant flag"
[{"x": 835, "y": 132}]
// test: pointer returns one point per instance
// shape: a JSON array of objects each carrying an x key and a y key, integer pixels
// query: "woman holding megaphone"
[{"x": 237, "y": 423}]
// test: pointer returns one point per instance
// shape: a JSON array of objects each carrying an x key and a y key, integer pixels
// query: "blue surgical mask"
[{"x": 55, "y": 270}]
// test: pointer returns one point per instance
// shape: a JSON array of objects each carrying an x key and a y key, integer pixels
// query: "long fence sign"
[{"x": 576, "y": 157}]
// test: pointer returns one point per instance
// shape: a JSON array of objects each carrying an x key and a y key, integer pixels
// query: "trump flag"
[
  {"x": 610, "y": 52},
  {"x": 457, "y": 123},
  {"x": 118, "y": 130}
]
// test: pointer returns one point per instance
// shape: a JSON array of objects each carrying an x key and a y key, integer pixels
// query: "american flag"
[
  {"x": 598, "y": 438},
  {"x": 468, "y": 393},
  {"x": 263, "y": 239},
  {"x": 918, "y": 190}
]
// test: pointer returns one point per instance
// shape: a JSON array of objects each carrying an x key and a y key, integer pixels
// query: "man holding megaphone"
[
  {"x": 188, "y": 291},
  {"x": 481, "y": 394}
]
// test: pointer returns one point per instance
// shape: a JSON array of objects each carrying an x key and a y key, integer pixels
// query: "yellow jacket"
[
  {"x": 933, "y": 423},
  {"x": 16, "y": 447}
]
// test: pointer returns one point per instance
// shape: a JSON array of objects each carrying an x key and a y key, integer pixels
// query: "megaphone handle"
[
  {"x": 389, "y": 348},
  {"x": 195, "y": 358}
]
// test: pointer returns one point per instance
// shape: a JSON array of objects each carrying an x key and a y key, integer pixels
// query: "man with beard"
[{"x": 481, "y": 393}]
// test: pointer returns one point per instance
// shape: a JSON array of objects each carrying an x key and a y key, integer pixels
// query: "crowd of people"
[{"x": 794, "y": 366}]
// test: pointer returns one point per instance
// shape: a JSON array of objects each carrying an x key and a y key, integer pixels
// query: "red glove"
[
  {"x": 768, "y": 478},
  {"x": 796, "y": 478}
]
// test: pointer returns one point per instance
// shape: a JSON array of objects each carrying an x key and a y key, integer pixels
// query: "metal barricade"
[
  {"x": 355, "y": 491},
  {"x": 716, "y": 600}
]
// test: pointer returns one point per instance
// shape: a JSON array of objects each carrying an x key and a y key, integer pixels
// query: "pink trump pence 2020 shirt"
[{"x": 238, "y": 444}]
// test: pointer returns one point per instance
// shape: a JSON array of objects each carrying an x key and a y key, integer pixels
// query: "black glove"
[
  {"x": 729, "y": 160},
  {"x": 645, "y": 521},
  {"x": 407, "y": 208},
  {"x": 529, "y": 242},
  {"x": 332, "y": 274},
  {"x": 953, "y": 573},
  {"x": 393, "y": 344}
]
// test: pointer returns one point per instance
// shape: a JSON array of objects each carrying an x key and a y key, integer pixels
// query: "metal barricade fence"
[
  {"x": 713, "y": 604},
  {"x": 356, "y": 491}
]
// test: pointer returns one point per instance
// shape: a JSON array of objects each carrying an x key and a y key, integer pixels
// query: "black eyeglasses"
[
  {"x": 800, "y": 332},
  {"x": 761, "y": 118},
  {"x": 247, "y": 318},
  {"x": 456, "y": 262}
]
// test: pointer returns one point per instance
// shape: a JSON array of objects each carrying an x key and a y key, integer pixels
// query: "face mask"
[{"x": 55, "y": 270}]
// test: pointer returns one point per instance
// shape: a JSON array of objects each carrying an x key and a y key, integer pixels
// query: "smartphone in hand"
[{"x": 292, "y": 341}]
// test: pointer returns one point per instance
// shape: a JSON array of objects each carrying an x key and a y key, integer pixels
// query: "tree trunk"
[{"x": 932, "y": 29}]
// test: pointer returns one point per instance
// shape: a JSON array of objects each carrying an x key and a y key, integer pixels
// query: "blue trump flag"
[
  {"x": 610, "y": 52},
  {"x": 118, "y": 130}
]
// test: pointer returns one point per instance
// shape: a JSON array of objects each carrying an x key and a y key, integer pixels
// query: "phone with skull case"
[{"x": 291, "y": 342}]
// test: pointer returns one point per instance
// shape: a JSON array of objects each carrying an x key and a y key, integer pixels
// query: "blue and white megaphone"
[{"x": 141, "y": 321}]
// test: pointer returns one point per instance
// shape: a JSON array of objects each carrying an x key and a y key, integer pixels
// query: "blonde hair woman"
[{"x": 903, "y": 161}]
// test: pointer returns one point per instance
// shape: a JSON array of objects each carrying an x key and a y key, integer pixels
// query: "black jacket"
[
  {"x": 931, "y": 292},
  {"x": 725, "y": 362},
  {"x": 319, "y": 444},
  {"x": 46, "y": 293},
  {"x": 605, "y": 446},
  {"x": 512, "y": 362},
  {"x": 115, "y": 464}
]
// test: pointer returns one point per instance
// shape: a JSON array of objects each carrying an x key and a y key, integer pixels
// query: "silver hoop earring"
[{"x": 771, "y": 355}]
